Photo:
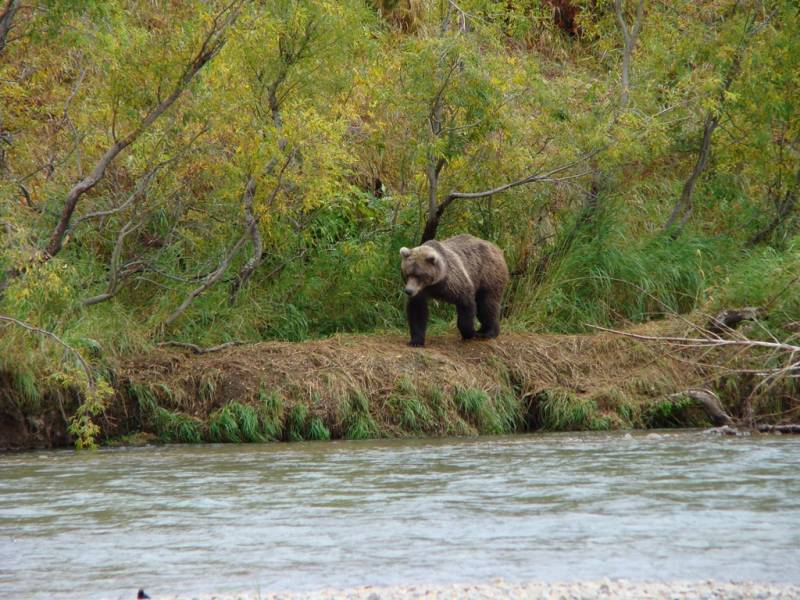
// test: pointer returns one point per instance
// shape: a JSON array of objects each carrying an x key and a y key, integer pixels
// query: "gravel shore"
[{"x": 498, "y": 589}]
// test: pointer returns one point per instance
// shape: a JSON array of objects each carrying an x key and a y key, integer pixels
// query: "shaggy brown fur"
[{"x": 462, "y": 270}]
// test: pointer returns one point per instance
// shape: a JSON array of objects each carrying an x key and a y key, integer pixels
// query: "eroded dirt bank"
[{"x": 358, "y": 386}]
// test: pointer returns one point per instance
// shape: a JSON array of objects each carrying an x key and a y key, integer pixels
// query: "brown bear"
[{"x": 462, "y": 270}]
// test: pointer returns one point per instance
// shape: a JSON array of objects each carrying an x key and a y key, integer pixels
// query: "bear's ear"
[
  {"x": 405, "y": 252},
  {"x": 431, "y": 259}
]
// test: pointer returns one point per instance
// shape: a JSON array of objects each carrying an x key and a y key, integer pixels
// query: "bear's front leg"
[
  {"x": 466, "y": 319},
  {"x": 417, "y": 311}
]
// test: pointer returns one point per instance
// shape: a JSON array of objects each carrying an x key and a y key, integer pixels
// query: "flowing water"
[{"x": 186, "y": 519}]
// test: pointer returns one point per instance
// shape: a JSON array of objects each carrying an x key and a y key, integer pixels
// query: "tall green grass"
[
  {"x": 356, "y": 418},
  {"x": 270, "y": 409},
  {"x": 768, "y": 278},
  {"x": 410, "y": 408},
  {"x": 604, "y": 275},
  {"x": 491, "y": 415},
  {"x": 560, "y": 410}
]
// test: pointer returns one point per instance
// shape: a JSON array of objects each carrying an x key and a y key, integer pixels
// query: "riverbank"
[
  {"x": 369, "y": 386},
  {"x": 499, "y": 590}
]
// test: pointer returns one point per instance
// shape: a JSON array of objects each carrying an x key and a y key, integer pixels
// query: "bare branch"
[
  {"x": 212, "y": 278},
  {"x": 544, "y": 176},
  {"x": 199, "y": 349},
  {"x": 113, "y": 271},
  {"x": 252, "y": 227},
  {"x": 76, "y": 87},
  {"x": 435, "y": 216},
  {"x": 252, "y": 224},
  {"x": 702, "y": 342}
]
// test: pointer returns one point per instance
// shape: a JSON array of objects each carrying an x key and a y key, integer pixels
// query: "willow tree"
[
  {"x": 451, "y": 103},
  {"x": 137, "y": 98},
  {"x": 284, "y": 130}
]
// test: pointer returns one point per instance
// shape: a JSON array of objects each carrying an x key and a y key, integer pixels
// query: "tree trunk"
[
  {"x": 784, "y": 208},
  {"x": 258, "y": 247},
  {"x": 57, "y": 237},
  {"x": 710, "y": 402},
  {"x": 683, "y": 208},
  {"x": 629, "y": 37},
  {"x": 6, "y": 21},
  {"x": 432, "y": 222}
]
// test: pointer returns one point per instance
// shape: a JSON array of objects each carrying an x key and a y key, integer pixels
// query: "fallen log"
[
  {"x": 790, "y": 428},
  {"x": 710, "y": 402}
]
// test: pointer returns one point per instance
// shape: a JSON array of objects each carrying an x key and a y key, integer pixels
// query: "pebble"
[{"x": 499, "y": 589}]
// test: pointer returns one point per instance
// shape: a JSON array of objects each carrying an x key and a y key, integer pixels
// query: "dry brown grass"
[{"x": 324, "y": 374}]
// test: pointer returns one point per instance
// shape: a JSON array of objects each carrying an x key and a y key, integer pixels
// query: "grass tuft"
[
  {"x": 561, "y": 410},
  {"x": 270, "y": 410},
  {"x": 223, "y": 427},
  {"x": 358, "y": 423},
  {"x": 499, "y": 415},
  {"x": 409, "y": 407},
  {"x": 317, "y": 430},
  {"x": 296, "y": 424}
]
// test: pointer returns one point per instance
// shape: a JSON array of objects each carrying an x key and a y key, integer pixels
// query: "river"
[{"x": 554, "y": 507}]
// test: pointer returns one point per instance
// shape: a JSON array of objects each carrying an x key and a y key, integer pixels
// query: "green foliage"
[
  {"x": 271, "y": 414},
  {"x": 356, "y": 419},
  {"x": 411, "y": 409},
  {"x": 560, "y": 410},
  {"x": 296, "y": 425},
  {"x": 317, "y": 430},
  {"x": 493, "y": 416},
  {"x": 669, "y": 412}
]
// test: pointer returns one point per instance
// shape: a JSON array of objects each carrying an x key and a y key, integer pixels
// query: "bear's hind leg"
[
  {"x": 466, "y": 320},
  {"x": 488, "y": 306}
]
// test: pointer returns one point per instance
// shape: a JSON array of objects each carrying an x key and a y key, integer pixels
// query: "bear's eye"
[{"x": 431, "y": 260}]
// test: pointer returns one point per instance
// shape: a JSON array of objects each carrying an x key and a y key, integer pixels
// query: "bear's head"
[{"x": 421, "y": 267}]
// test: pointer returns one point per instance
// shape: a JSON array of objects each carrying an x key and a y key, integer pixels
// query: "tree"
[
  {"x": 212, "y": 43},
  {"x": 684, "y": 207}
]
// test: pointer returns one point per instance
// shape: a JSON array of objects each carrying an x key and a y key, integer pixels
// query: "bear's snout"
[{"x": 412, "y": 286}]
